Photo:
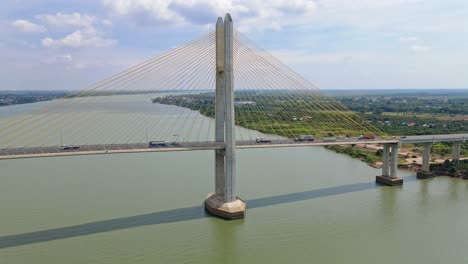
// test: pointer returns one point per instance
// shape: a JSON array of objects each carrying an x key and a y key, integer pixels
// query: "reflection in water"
[
  {"x": 424, "y": 192},
  {"x": 453, "y": 189},
  {"x": 388, "y": 204},
  {"x": 226, "y": 243},
  {"x": 176, "y": 215}
]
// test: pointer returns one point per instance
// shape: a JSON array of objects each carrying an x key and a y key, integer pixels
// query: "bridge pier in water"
[
  {"x": 224, "y": 202},
  {"x": 389, "y": 166},
  {"x": 456, "y": 148},
  {"x": 425, "y": 173}
]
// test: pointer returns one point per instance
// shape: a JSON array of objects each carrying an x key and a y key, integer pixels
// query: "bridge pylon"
[{"x": 224, "y": 202}]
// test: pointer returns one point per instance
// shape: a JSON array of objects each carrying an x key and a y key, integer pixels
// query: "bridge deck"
[
  {"x": 54, "y": 151},
  {"x": 434, "y": 138}
]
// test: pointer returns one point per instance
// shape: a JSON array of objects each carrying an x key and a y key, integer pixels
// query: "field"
[{"x": 443, "y": 117}]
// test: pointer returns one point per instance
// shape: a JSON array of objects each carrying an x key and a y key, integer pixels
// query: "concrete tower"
[{"x": 224, "y": 202}]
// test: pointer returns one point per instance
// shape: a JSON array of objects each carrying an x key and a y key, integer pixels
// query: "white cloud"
[
  {"x": 79, "y": 66},
  {"x": 409, "y": 39},
  {"x": 364, "y": 4},
  {"x": 420, "y": 48},
  {"x": 303, "y": 58},
  {"x": 106, "y": 22},
  {"x": 65, "y": 57},
  {"x": 59, "y": 59},
  {"x": 81, "y": 38},
  {"x": 85, "y": 36},
  {"x": 26, "y": 26},
  {"x": 73, "y": 19},
  {"x": 250, "y": 14},
  {"x": 159, "y": 9},
  {"x": 259, "y": 15},
  {"x": 299, "y": 57}
]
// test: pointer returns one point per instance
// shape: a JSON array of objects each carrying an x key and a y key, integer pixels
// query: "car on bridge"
[
  {"x": 160, "y": 144},
  {"x": 68, "y": 147},
  {"x": 304, "y": 138},
  {"x": 263, "y": 140}
]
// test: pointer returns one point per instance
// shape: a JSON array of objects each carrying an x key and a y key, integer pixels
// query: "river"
[{"x": 305, "y": 205}]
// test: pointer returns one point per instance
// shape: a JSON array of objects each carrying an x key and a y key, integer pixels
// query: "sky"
[{"x": 336, "y": 44}]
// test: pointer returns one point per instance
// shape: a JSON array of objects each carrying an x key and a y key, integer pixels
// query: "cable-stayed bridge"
[{"x": 219, "y": 92}]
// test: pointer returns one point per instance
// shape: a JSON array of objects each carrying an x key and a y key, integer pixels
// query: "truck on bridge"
[{"x": 366, "y": 136}]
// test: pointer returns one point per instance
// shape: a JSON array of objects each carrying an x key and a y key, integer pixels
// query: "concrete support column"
[
  {"x": 390, "y": 162},
  {"x": 424, "y": 173},
  {"x": 426, "y": 158},
  {"x": 456, "y": 151},
  {"x": 394, "y": 162},
  {"x": 386, "y": 160},
  {"x": 219, "y": 108},
  {"x": 230, "y": 158},
  {"x": 224, "y": 203}
]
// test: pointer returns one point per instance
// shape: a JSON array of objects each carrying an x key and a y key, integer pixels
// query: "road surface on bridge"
[
  {"x": 53, "y": 151},
  {"x": 16, "y": 153},
  {"x": 434, "y": 138}
]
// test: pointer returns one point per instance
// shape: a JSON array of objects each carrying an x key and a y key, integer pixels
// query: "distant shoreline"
[{"x": 9, "y": 98}]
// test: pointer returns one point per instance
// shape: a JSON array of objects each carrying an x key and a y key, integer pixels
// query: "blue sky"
[{"x": 58, "y": 44}]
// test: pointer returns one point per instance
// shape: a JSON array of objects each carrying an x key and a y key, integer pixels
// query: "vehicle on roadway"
[
  {"x": 304, "y": 138},
  {"x": 66, "y": 147},
  {"x": 159, "y": 144},
  {"x": 329, "y": 139},
  {"x": 263, "y": 140},
  {"x": 366, "y": 136}
]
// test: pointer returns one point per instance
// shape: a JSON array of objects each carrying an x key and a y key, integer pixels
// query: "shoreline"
[{"x": 409, "y": 161}]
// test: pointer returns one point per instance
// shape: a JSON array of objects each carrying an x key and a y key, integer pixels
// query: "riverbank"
[
  {"x": 449, "y": 168},
  {"x": 372, "y": 158},
  {"x": 409, "y": 158}
]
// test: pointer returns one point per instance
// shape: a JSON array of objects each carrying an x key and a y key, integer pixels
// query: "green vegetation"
[
  {"x": 26, "y": 97},
  {"x": 444, "y": 149},
  {"x": 412, "y": 125},
  {"x": 456, "y": 169},
  {"x": 365, "y": 156},
  {"x": 285, "y": 113},
  {"x": 411, "y": 113},
  {"x": 291, "y": 113},
  {"x": 368, "y": 156},
  {"x": 407, "y": 104}
]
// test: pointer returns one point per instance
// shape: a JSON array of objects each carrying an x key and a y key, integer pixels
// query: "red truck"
[{"x": 366, "y": 136}]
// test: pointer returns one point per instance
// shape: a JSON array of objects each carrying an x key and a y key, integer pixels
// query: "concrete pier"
[
  {"x": 219, "y": 108},
  {"x": 224, "y": 202},
  {"x": 230, "y": 139},
  {"x": 426, "y": 159},
  {"x": 389, "y": 166},
  {"x": 456, "y": 147},
  {"x": 386, "y": 160},
  {"x": 394, "y": 161}
]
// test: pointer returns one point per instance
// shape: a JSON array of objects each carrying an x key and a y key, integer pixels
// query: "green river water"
[{"x": 305, "y": 205}]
